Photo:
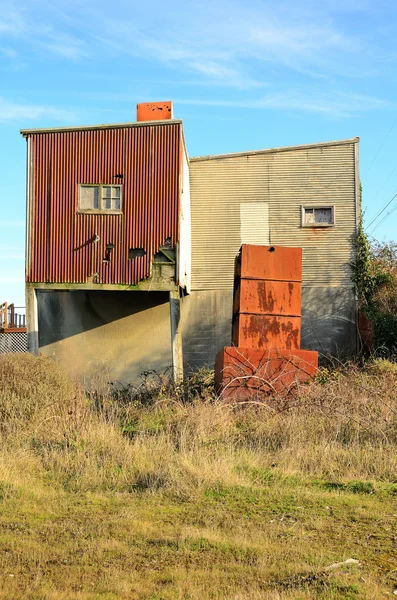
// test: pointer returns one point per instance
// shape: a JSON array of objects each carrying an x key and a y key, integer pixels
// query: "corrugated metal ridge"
[
  {"x": 184, "y": 142},
  {"x": 26, "y": 132},
  {"x": 353, "y": 140}
]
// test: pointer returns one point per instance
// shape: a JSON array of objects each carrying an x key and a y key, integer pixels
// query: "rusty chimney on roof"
[{"x": 154, "y": 111}]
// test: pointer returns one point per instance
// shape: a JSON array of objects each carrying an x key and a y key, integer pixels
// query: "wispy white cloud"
[
  {"x": 220, "y": 41},
  {"x": 223, "y": 43},
  {"x": 39, "y": 32},
  {"x": 334, "y": 105},
  {"x": 65, "y": 45},
  {"x": 9, "y": 52},
  {"x": 12, "y": 20},
  {"x": 17, "y": 111}
]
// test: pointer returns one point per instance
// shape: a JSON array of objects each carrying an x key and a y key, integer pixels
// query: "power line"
[
  {"x": 376, "y": 217},
  {"x": 383, "y": 220},
  {"x": 387, "y": 181},
  {"x": 382, "y": 144}
]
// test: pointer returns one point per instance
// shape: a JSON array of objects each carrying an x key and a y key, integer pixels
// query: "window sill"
[
  {"x": 319, "y": 225},
  {"x": 95, "y": 211}
]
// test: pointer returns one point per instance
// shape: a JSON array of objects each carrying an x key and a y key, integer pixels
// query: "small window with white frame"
[
  {"x": 318, "y": 216},
  {"x": 100, "y": 198}
]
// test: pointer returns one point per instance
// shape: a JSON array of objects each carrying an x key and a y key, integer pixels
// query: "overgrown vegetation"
[
  {"x": 164, "y": 493},
  {"x": 374, "y": 274}
]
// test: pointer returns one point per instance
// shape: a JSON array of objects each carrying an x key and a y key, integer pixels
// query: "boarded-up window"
[
  {"x": 89, "y": 195},
  {"x": 254, "y": 223}
]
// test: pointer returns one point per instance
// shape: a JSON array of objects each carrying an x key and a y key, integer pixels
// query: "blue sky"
[{"x": 242, "y": 75}]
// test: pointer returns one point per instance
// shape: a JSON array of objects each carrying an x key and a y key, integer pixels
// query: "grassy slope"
[{"x": 201, "y": 500}]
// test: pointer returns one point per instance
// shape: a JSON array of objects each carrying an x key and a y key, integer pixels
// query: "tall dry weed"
[
  {"x": 37, "y": 396},
  {"x": 343, "y": 425}
]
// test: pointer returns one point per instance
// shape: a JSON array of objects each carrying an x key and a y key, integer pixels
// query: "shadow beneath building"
[{"x": 63, "y": 314}]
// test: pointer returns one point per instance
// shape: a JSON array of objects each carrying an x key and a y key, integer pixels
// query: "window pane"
[
  {"x": 88, "y": 197},
  {"x": 116, "y": 204},
  {"x": 323, "y": 215},
  {"x": 106, "y": 191},
  {"x": 309, "y": 215}
]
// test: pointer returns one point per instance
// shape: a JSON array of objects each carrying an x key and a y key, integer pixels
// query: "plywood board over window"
[{"x": 254, "y": 223}]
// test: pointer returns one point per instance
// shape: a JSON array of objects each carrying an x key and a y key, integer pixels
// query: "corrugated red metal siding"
[{"x": 60, "y": 238}]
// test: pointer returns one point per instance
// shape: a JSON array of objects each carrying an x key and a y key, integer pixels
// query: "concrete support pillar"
[
  {"x": 176, "y": 336},
  {"x": 32, "y": 320}
]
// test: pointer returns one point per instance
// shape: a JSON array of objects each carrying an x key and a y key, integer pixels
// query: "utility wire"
[
  {"x": 387, "y": 181},
  {"x": 382, "y": 144},
  {"x": 383, "y": 220},
  {"x": 376, "y": 217}
]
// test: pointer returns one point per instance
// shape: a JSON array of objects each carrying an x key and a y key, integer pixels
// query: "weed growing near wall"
[{"x": 374, "y": 274}]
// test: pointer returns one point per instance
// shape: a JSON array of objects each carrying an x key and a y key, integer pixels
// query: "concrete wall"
[
  {"x": 108, "y": 336},
  {"x": 116, "y": 336},
  {"x": 328, "y": 323},
  {"x": 105, "y": 336}
]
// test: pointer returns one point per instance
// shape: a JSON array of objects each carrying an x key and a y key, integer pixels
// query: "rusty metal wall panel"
[
  {"x": 286, "y": 180},
  {"x": 61, "y": 239}
]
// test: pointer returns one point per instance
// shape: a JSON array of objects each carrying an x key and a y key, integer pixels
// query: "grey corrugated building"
[{"x": 306, "y": 196}]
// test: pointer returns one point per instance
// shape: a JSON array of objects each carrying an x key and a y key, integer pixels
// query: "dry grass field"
[{"x": 170, "y": 494}]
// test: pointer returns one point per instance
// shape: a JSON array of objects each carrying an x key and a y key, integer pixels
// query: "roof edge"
[
  {"x": 27, "y": 132},
  {"x": 354, "y": 140}
]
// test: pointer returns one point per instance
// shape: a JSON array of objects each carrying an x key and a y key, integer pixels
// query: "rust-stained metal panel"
[
  {"x": 263, "y": 297},
  {"x": 267, "y": 297},
  {"x": 266, "y": 331},
  {"x": 269, "y": 262},
  {"x": 247, "y": 373},
  {"x": 144, "y": 159}
]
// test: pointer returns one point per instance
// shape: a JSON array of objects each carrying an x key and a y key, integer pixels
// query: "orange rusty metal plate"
[
  {"x": 261, "y": 297},
  {"x": 266, "y": 332},
  {"x": 248, "y": 373},
  {"x": 278, "y": 263},
  {"x": 154, "y": 111}
]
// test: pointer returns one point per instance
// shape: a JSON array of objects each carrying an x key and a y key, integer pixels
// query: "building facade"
[
  {"x": 131, "y": 246},
  {"x": 303, "y": 196}
]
